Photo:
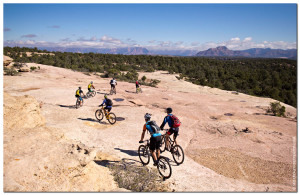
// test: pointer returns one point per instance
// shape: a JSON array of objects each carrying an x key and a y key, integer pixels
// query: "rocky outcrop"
[{"x": 7, "y": 60}]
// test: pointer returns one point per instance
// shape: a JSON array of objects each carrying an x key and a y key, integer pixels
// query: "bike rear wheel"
[
  {"x": 112, "y": 118},
  {"x": 178, "y": 154},
  {"x": 164, "y": 167},
  {"x": 144, "y": 154},
  {"x": 88, "y": 95},
  {"x": 99, "y": 114}
]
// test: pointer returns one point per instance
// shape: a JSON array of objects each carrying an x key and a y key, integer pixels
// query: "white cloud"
[
  {"x": 235, "y": 39},
  {"x": 248, "y": 39}
]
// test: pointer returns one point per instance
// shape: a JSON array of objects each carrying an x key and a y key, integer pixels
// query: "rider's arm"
[
  {"x": 104, "y": 101},
  {"x": 143, "y": 134},
  {"x": 163, "y": 123}
]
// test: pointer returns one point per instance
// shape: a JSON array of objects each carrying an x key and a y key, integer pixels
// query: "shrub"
[
  {"x": 276, "y": 109},
  {"x": 10, "y": 71},
  {"x": 137, "y": 178},
  {"x": 144, "y": 78},
  {"x": 32, "y": 68}
]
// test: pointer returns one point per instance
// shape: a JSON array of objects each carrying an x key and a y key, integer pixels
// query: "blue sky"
[{"x": 154, "y": 26}]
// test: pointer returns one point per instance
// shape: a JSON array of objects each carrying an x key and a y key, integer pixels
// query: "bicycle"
[
  {"x": 77, "y": 105},
  {"x": 90, "y": 94},
  {"x": 176, "y": 150},
  {"x": 113, "y": 91},
  {"x": 139, "y": 90},
  {"x": 163, "y": 166},
  {"x": 111, "y": 117}
]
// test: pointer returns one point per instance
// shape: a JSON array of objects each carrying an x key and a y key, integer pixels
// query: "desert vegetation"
[{"x": 274, "y": 78}]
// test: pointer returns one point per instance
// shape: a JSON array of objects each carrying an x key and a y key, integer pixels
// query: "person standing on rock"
[
  {"x": 155, "y": 140},
  {"x": 173, "y": 123}
]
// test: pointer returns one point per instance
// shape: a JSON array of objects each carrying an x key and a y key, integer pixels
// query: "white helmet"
[
  {"x": 147, "y": 116},
  {"x": 91, "y": 82}
]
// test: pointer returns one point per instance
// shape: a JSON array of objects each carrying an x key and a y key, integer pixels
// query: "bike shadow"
[
  {"x": 68, "y": 106},
  {"x": 129, "y": 152},
  {"x": 89, "y": 119},
  {"x": 120, "y": 119},
  {"x": 172, "y": 162},
  {"x": 130, "y": 91}
]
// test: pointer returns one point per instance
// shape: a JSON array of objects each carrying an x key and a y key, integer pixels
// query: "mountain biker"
[
  {"x": 77, "y": 94},
  {"x": 155, "y": 140},
  {"x": 113, "y": 84},
  {"x": 108, "y": 104},
  {"x": 172, "y": 129},
  {"x": 137, "y": 84},
  {"x": 90, "y": 86}
]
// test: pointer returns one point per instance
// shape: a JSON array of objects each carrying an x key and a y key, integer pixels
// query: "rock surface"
[{"x": 230, "y": 143}]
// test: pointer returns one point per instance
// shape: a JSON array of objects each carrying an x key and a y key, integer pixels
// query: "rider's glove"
[{"x": 140, "y": 142}]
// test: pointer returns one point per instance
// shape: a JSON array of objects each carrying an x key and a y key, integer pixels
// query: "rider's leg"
[
  {"x": 167, "y": 141},
  {"x": 176, "y": 130}
]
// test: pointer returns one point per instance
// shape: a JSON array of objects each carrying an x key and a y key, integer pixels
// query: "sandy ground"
[{"x": 220, "y": 155}]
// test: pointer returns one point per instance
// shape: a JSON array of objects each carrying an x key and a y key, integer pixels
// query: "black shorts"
[
  {"x": 155, "y": 142},
  {"x": 137, "y": 86},
  {"x": 112, "y": 86},
  {"x": 108, "y": 109},
  {"x": 174, "y": 130}
]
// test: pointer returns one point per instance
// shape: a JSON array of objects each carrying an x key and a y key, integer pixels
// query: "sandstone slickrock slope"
[{"x": 229, "y": 142}]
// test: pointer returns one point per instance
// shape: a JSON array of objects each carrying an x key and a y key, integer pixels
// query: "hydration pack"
[
  {"x": 176, "y": 121},
  {"x": 109, "y": 102},
  {"x": 154, "y": 127}
]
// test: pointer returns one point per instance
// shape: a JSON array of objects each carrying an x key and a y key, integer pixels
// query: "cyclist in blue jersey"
[
  {"x": 155, "y": 140},
  {"x": 172, "y": 129},
  {"x": 108, "y": 104}
]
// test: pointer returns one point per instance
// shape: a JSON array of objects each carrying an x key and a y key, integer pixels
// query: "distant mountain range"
[
  {"x": 252, "y": 53},
  {"x": 221, "y": 51}
]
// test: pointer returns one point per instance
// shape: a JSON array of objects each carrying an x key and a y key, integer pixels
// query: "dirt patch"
[{"x": 234, "y": 164}]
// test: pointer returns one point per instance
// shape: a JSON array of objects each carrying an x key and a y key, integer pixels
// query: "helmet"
[
  {"x": 105, "y": 96},
  {"x": 169, "y": 110},
  {"x": 113, "y": 78},
  {"x": 91, "y": 82},
  {"x": 147, "y": 116},
  {"x": 79, "y": 87}
]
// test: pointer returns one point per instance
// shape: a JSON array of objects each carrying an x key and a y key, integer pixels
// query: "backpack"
[
  {"x": 176, "y": 121},
  {"x": 109, "y": 102},
  {"x": 154, "y": 127}
]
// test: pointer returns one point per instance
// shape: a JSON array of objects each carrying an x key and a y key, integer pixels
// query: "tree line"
[{"x": 274, "y": 78}]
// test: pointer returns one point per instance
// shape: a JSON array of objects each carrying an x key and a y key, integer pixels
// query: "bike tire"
[
  {"x": 112, "y": 118},
  {"x": 94, "y": 93},
  {"x": 99, "y": 115},
  {"x": 88, "y": 95},
  {"x": 144, "y": 154},
  {"x": 163, "y": 143},
  {"x": 77, "y": 105},
  {"x": 164, "y": 167},
  {"x": 178, "y": 154}
]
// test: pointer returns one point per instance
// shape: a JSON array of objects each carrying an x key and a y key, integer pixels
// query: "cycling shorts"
[
  {"x": 174, "y": 130},
  {"x": 112, "y": 85},
  {"x": 90, "y": 89},
  {"x": 108, "y": 108},
  {"x": 155, "y": 143}
]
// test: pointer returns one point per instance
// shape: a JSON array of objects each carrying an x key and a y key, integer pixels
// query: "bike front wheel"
[
  {"x": 77, "y": 103},
  {"x": 163, "y": 144},
  {"x": 178, "y": 154},
  {"x": 99, "y": 115},
  {"x": 164, "y": 167},
  {"x": 112, "y": 118},
  {"x": 144, "y": 154},
  {"x": 93, "y": 93}
]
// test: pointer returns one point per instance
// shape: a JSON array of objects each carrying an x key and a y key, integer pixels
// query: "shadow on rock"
[
  {"x": 68, "y": 106},
  {"x": 120, "y": 119},
  {"x": 89, "y": 119},
  {"x": 129, "y": 152},
  {"x": 118, "y": 99},
  {"x": 130, "y": 91}
]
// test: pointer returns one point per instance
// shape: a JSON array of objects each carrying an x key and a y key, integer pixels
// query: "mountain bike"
[
  {"x": 176, "y": 150},
  {"x": 77, "y": 105},
  {"x": 139, "y": 90},
  {"x": 90, "y": 94},
  {"x": 111, "y": 117},
  {"x": 163, "y": 166},
  {"x": 113, "y": 91}
]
